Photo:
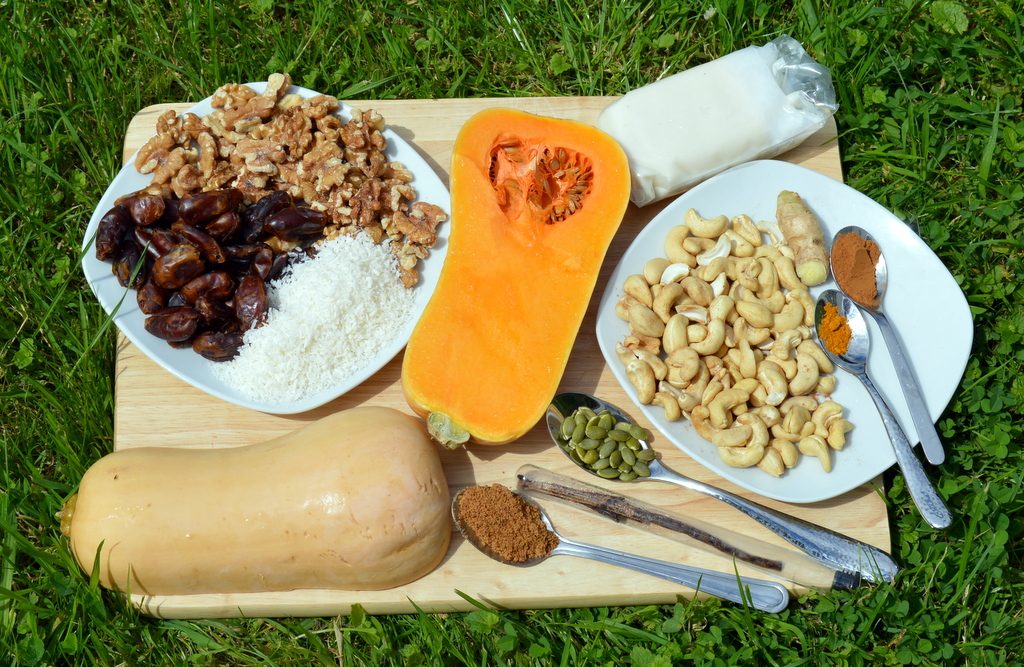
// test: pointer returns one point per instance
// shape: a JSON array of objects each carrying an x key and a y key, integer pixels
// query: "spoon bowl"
[
  {"x": 854, "y": 361},
  {"x": 833, "y": 549},
  {"x": 767, "y": 596},
  {"x": 930, "y": 443}
]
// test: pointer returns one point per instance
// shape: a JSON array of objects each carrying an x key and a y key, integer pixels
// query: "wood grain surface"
[{"x": 153, "y": 408}]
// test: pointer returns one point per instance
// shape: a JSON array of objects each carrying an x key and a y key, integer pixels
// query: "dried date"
[
  {"x": 224, "y": 226},
  {"x": 206, "y": 244},
  {"x": 217, "y": 346},
  {"x": 254, "y": 216},
  {"x": 216, "y": 315},
  {"x": 175, "y": 325},
  {"x": 145, "y": 209},
  {"x": 151, "y": 299},
  {"x": 217, "y": 284},
  {"x": 130, "y": 267},
  {"x": 296, "y": 224},
  {"x": 197, "y": 208},
  {"x": 250, "y": 302},
  {"x": 179, "y": 265},
  {"x": 112, "y": 230}
]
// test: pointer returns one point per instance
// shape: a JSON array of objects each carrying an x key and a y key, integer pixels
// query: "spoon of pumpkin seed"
[{"x": 602, "y": 439}]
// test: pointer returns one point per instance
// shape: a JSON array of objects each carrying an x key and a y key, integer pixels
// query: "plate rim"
[{"x": 423, "y": 171}]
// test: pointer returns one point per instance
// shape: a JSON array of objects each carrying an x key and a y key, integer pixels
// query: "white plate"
[
  {"x": 923, "y": 302},
  {"x": 198, "y": 371}
]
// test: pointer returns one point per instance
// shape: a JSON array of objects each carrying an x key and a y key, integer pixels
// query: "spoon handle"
[
  {"x": 930, "y": 443},
  {"x": 835, "y": 550},
  {"x": 764, "y": 595},
  {"x": 924, "y": 494}
]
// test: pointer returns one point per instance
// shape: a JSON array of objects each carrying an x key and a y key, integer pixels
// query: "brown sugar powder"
[{"x": 504, "y": 523}]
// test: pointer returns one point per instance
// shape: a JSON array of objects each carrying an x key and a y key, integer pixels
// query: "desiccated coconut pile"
[{"x": 328, "y": 317}]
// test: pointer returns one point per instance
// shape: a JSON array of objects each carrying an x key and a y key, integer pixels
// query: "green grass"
[{"x": 931, "y": 126}]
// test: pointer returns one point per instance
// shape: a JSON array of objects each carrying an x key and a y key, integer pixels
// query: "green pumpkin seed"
[
  {"x": 639, "y": 432},
  {"x": 606, "y": 421},
  {"x": 627, "y": 455},
  {"x": 579, "y": 418},
  {"x": 574, "y": 457},
  {"x": 646, "y": 455},
  {"x": 641, "y": 469},
  {"x": 615, "y": 458},
  {"x": 608, "y": 473},
  {"x": 622, "y": 426},
  {"x": 618, "y": 436},
  {"x": 599, "y": 464},
  {"x": 633, "y": 444},
  {"x": 568, "y": 426},
  {"x": 590, "y": 457},
  {"x": 595, "y": 431},
  {"x": 607, "y": 448},
  {"x": 589, "y": 443},
  {"x": 579, "y": 433},
  {"x": 588, "y": 413},
  {"x": 627, "y": 476},
  {"x": 625, "y": 467}
]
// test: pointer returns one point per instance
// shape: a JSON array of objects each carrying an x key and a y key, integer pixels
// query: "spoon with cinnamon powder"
[
  {"x": 859, "y": 268},
  {"x": 514, "y": 530}
]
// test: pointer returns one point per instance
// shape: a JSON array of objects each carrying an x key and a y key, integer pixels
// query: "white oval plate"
[
  {"x": 923, "y": 301},
  {"x": 197, "y": 371}
]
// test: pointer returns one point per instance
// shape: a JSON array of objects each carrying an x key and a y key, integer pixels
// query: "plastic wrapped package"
[{"x": 753, "y": 103}]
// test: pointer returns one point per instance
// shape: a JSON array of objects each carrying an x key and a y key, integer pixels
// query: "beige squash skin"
[{"x": 355, "y": 501}]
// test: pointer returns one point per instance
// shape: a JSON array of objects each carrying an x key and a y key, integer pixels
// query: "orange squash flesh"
[{"x": 535, "y": 204}]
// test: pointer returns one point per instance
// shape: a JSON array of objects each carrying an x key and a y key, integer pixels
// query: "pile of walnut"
[
  {"x": 720, "y": 331},
  {"x": 275, "y": 140}
]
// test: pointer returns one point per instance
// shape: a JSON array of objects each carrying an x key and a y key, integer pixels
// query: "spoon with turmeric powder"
[
  {"x": 843, "y": 335},
  {"x": 859, "y": 268}
]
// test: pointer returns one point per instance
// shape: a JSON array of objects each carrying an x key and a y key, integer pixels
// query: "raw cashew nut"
[
  {"x": 637, "y": 287},
  {"x": 698, "y": 290},
  {"x": 693, "y": 312},
  {"x": 674, "y": 246},
  {"x": 826, "y": 384},
  {"x": 695, "y": 245},
  {"x": 806, "y": 402},
  {"x": 741, "y": 457},
  {"x": 622, "y": 306},
  {"x": 748, "y": 362},
  {"x": 786, "y": 270},
  {"x": 795, "y": 420},
  {"x": 624, "y": 353},
  {"x": 720, "y": 307},
  {"x": 787, "y": 450},
  {"x": 714, "y": 339},
  {"x": 736, "y": 436},
  {"x": 785, "y": 343},
  {"x": 769, "y": 414},
  {"x": 654, "y": 269},
  {"x": 824, "y": 415},
  {"x": 708, "y": 228},
  {"x": 743, "y": 225},
  {"x": 641, "y": 376},
  {"x": 673, "y": 273},
  {"x": 721, "y": 404},
  {"x": 758, "y": 429},
  {"x": 659, "y": 367},
  {"x": 767, "y": 279},
  {"x": 718, "y": 285},
  {"x": 643, "y": 320},
  {"x": 779, "y": 432},
  {"x": 772, "y": 463},
  {"x": 686, "y": 400},
  {"x": 696, "y": 332},
  {"x": 814, "y": 445},
  {"x": 807, "y": 374},
  {"x": 714, "y": 388},
  {"x": 714, "y": 269},
  {"x": 837, "y": 431},
  {"x": 756, "y": 314},
  {"x": 699, "y": 419},
  {"x": 740, "y": 247},
  {"x": 720, "y": 250},
  {"x": 791, "y": 317},
  {"x": 811, "y": 349},
  {"x": 804, "y": 297},
  {"x": 788, "y": 367},
  {"x": 666, "y": 299},
  {"x": 642, "y": 342},
  {"x": 685, "y": 362},
  {"x": 774, "y": 381},
  {"x": 669, "y": 403},
  {"x": 674, "y": 337}
]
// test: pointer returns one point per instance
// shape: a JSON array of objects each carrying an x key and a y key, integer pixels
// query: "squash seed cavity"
[{"x": 547, "y": 184}]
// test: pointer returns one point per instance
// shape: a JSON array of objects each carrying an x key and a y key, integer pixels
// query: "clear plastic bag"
[{"x": 753, "y": 103}]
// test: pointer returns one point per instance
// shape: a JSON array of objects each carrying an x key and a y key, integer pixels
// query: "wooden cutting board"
[{"x": 153, "y": 408}]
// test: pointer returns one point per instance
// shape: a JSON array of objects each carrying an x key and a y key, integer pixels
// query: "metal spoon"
[
  {"x": 764, "y": 595},
  {"x": 930, "y": 443},
  {"x": 837, "y": 551},
  {"x": 854, "y": 361}
]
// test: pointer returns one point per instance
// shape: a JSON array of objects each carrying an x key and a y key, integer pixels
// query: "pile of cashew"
[{"x": 720, "y": 332}]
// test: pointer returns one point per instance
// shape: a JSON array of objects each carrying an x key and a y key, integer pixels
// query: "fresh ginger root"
[{"x": 803, "y": 234}]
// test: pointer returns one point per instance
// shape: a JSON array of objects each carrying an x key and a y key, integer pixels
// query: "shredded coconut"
[{"x": 328, "y": 317}]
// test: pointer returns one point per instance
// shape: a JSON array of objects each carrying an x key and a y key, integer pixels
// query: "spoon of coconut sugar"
[
  {"x": 514, "y": 530},
  {"x": 571, "y": 414}
]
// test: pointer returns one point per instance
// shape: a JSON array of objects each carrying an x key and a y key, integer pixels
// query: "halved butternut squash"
[{"x": 535, "y": 204}]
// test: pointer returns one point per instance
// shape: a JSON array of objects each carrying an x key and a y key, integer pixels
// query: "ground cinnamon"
[
  {"x": 853, "y": 265},
  {"x": 504, "y": 523},
  {"x": 834, "y": 330}
]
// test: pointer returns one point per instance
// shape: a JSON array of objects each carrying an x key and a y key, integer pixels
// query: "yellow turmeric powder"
[{"x": 834, "y": 330}]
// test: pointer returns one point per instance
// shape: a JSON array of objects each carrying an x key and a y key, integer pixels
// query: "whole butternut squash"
[
  {"x": 355, "y": 501},
  {"x": 535, "y": 204}
]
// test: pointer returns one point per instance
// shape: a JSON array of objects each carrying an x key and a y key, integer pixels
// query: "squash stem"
[
  {"x": 441, "y": 428},
  {"x": 66, "y": 513}
]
